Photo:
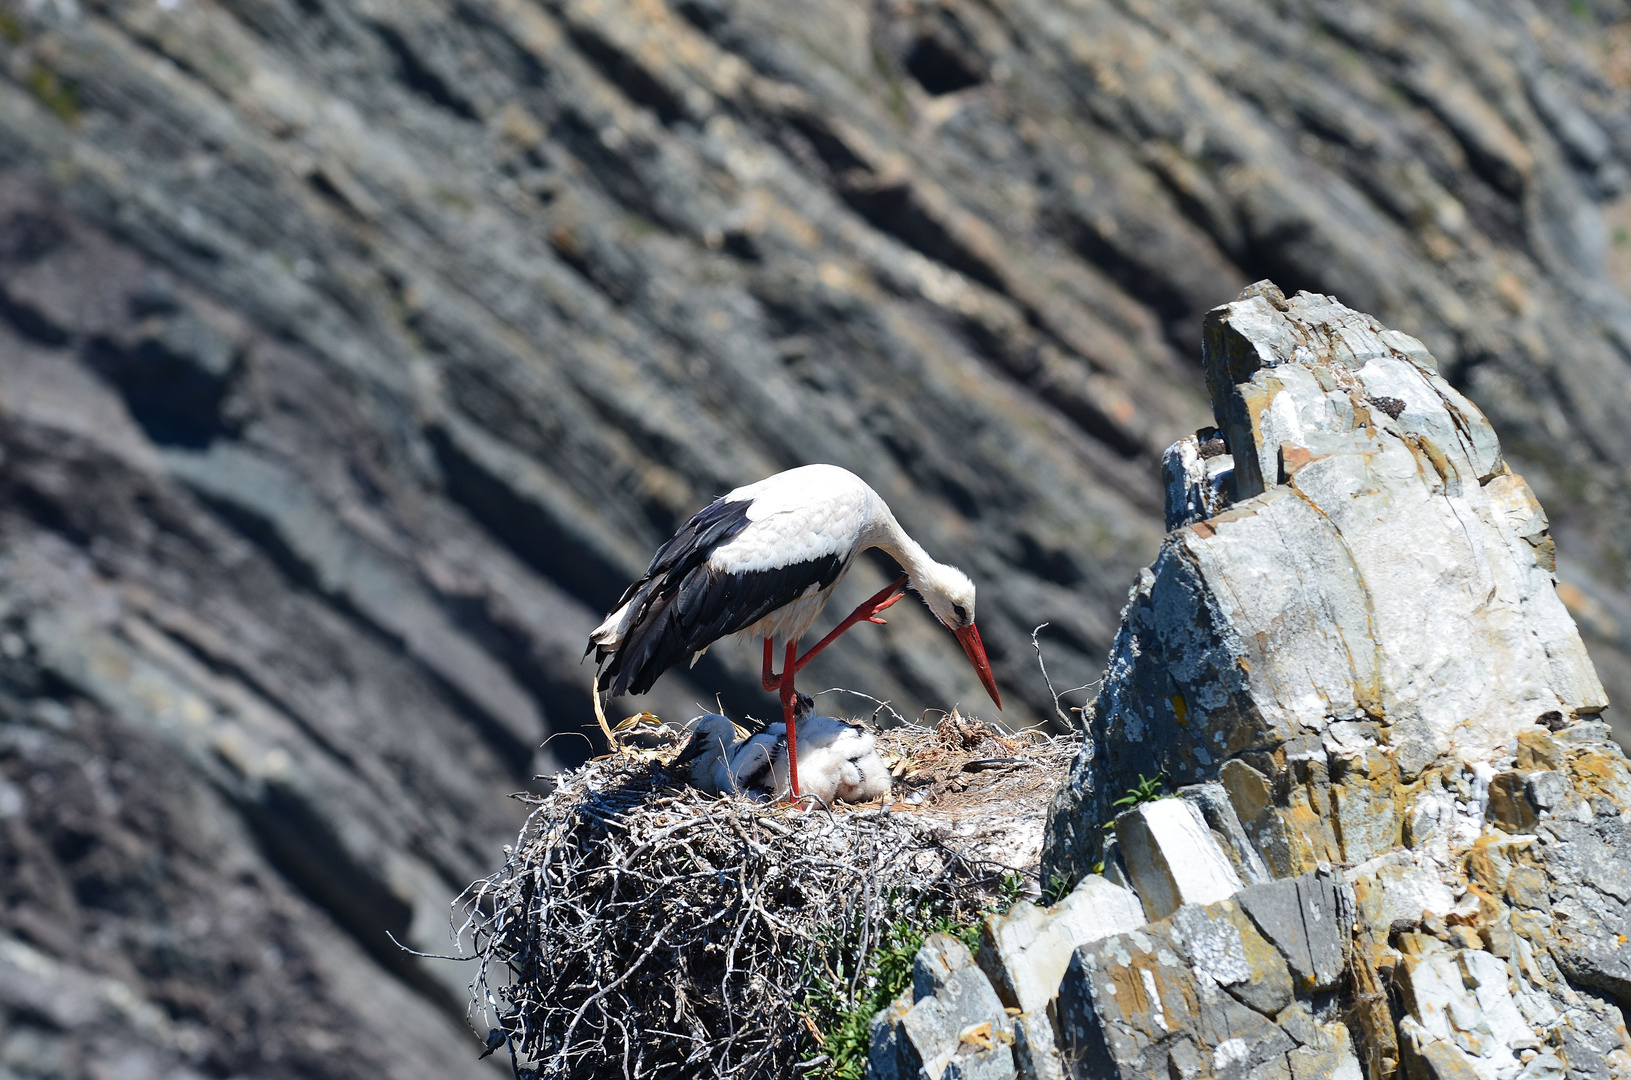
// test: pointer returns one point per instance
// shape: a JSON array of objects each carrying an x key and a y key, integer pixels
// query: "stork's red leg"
[
  {"x": 770, "y": 680},
  {"x": 868, "y": 612},
  {"x": 787, "y": 715}
]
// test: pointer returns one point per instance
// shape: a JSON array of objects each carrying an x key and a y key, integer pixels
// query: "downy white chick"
[
  {"x": 837, "y": 760},
  {"x": 845, "y": 753},
  {"x": 722, "y": 759},
  {"x": 709, "y": 753}
]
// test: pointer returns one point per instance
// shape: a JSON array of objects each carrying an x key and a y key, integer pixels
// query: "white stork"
[
  {"x": 762, "y": 562},
  {"x": 841, "y": 760}
]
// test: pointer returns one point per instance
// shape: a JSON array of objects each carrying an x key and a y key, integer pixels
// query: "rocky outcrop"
[
  {"x": 949, "y": 1023},
  {"x": 1397, "y": 846},
  {"x": 354, "y": 354},
  {"x": 1377, "y": 585}
]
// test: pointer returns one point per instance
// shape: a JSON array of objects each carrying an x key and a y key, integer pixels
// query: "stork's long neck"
[{"x": 886, "y": 534}]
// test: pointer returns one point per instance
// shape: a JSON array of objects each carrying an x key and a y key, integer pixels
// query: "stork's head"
[{"x": 950, "y": 595}]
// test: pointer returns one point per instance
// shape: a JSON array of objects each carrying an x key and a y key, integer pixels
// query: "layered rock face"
[
  {"x": 1371, "y": 574},
  {"x": 1397, "y": 848},
  {"x": 354, "y": 354}
]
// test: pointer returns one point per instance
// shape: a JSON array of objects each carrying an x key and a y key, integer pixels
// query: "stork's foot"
[
  {"x": 872, "y": 616},
  {"x": 882, "y": 600}
]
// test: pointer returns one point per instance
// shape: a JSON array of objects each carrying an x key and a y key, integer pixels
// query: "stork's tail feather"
[
  {"x": 609, "y": 634},
  {"x": 635, "y": 644}
]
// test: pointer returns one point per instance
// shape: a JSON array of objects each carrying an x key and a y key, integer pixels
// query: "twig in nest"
[
  {"x": 427, "y": 955},
  {"x": 600, "y": 713},
  {"x": 881, "y": 704},
  {"x": 1058, "y": 708},
  {"x": 981, "y": 764},
  {"x": 563, "y": 734},
  {"x": 566, "y": 1040}
]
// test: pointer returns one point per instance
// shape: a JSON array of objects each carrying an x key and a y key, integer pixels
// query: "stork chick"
[
  {"x": 840, "y": 760},
  {"x": 707, "y": 757}
]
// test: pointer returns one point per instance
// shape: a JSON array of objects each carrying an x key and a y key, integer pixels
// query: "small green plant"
[
  {"x": 1148, "y": 789},
  {"x": 1057, "y": 889},
  {"x": 1009, "y": 891},
  {"x": 55, "y": 93},
  {"x": 453, "y": 199},
  {"x": 840, "y": 1019}
]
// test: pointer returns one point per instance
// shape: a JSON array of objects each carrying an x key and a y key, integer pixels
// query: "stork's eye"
[{"x": 962, "y": 616}]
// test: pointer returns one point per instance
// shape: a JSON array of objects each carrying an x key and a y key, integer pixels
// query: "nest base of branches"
[{"x": 641, "y": 928}]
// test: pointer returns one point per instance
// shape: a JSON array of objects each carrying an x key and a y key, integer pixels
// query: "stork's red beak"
[{"x": 969, "y": 638}]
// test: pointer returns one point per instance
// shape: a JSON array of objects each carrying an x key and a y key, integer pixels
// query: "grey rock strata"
[
  {"x": 1024, "y": 951},
  {"x": 353, "y": 355},
  {"x": 1377, "y": 581},
  {"x": 1171, "y": 857},
  {"x": 1185, "y": 996},
  {"x": 1308, "y": 919}
]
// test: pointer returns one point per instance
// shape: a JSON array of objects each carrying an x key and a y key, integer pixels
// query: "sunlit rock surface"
[
  {"x": 1379, "y": 590},
  {"x": 1359, "y": 667}
]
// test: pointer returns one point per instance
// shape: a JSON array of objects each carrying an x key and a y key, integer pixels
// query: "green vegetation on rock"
[{"x": 855, "y": 974}]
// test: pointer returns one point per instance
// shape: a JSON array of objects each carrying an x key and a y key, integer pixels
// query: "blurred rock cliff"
[{"x": 355, "y": 353}]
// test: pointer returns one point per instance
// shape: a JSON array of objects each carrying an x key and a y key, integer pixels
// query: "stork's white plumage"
[
  {"x": 839, "y": 760},
  {"x": 762, "y": 562}
]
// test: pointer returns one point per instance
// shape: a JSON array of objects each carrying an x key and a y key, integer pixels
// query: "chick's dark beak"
[
  {"x": 692, "y": 751},
  {"x": 969, "y": 638}
]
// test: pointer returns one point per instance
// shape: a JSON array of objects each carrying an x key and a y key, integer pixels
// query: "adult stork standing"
[{"x": 762, "y": 562}]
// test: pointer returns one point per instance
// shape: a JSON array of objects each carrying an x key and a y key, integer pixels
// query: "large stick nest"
[{"x": 641, "y": 928}]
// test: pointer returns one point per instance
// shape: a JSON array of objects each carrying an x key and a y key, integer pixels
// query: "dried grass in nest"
[{"x": 640, "y": 928}]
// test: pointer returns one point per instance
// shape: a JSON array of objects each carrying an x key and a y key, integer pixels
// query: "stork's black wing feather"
[
  {"x": 682, "y": 606},
  {"x": 692, "y": 544}
]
